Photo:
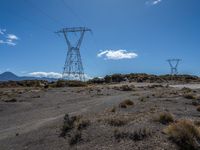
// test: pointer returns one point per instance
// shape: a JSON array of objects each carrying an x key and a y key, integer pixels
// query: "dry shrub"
[
  {"x": 24, "y": 83},
  {"x": 68, "y": 124},
  {"x": 74, "y": 122},
  {"x": 117, "y": 122},
  {"x": 190, "y": 96},
  {"x": 198, "y": 108},
  {"x": 116, "y": 88},
  {"x": 152, "y": 110},
  {"x": 82, "y": 124},
  {"x": 75, "y": 138},
  {"x": 122, "y": 105},
  {"x": 136, "y": 135},
  {"x": 186, "y": 90},
  {"x": 142, "y": 99},
  {"x": 65, "y": 83},
  {"x": 195, "y": 103},
  {"x": 165, "y": 118},
  {"x": 36, "y": 96},
  {"x": 113, "y": 109},
  {"x": 12, "y": 100},
  {"x": 197, "y": 123},
  {"x": 185, "y": 134},
  {"x": 155, "y": 86},
  {"x": 126, "y": 88},
  {"x": 126, "y": 103}
]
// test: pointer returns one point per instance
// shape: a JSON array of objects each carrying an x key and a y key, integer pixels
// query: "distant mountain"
[
  {"x": 6, "y": 76},
  {"x": 9, "y": 76}
]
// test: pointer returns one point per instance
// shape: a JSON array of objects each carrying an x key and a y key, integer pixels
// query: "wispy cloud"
[
  {"x": 2, "y": 31},
  {"x": 8, "y": 39},
  {"x": 153, "y": 2},
  {"x": 117, "y": 54}
]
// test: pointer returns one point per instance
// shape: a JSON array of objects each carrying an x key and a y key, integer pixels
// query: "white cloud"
[
  {"x": 53, "y": 75},
  {"x": 9, "y": 39},
  {"x": 153, "y": 2},
  {"x": 46, "y": 74},
  {"x": 76, "y": 77},
  {"x": 117, "y": 54},
  {"x": 156, "y": 2},
  {"x": 12, "y": 37}
]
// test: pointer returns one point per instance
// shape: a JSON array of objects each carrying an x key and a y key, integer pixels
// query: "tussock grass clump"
[
  {"x": 126, "y": 103},
  {"x": 165, "y": 118},
  {"x": 136, "y": 135},
  {"x": 185, "y": 134},
  {"x": 117, "y": 122}
]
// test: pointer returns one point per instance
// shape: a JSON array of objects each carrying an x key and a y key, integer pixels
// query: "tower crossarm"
[{"x": 75, "y": 29}]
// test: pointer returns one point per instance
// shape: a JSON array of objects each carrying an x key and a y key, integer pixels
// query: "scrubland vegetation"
[{"x": 116, "y": 113}]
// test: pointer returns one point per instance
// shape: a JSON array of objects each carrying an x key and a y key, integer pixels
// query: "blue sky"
[{"x": 128, "y": 35}]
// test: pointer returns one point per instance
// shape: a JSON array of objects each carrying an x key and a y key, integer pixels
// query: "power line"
[
  {"x": 55, "y": 20},
  {"x": 73, "y": 12},
  {"x": 29, "y": 20}
]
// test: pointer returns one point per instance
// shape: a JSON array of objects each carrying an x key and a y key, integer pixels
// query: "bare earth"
[{"x": 31, "y": 118}]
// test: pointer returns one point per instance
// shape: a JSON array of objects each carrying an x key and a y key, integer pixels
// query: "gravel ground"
[{"x": 31, "y": 118}]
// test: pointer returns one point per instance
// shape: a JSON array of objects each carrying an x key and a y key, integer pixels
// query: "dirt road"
[{"x": 36, "y": 109}]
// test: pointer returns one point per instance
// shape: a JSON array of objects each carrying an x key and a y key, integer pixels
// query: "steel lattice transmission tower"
[
  {"x": 174, "y": 65},
  {"x": 73, "y": 68}
]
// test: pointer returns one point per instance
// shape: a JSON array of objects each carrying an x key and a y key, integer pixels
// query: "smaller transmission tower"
[
  {"x": 173, "y": 63},
  {"x": 73, "y": 68}
]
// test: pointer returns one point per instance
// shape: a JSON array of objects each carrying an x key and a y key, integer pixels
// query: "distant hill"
[
  {"x": 9, "y": 76},
  {"x": 142, "y": 77}
]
